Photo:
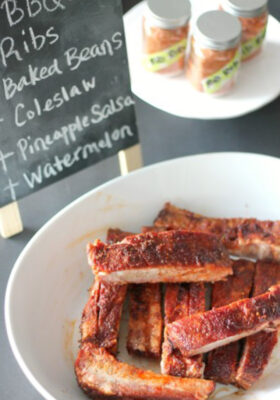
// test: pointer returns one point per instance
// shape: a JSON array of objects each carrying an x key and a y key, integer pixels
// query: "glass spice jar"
[
  {"x": 165, "y": 31},
  {"x": 253, "y": 15},
  {"x": 215, "y": 54}
]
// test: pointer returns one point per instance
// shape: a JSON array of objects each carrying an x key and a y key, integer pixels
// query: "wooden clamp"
[
  {"x": 130, "y": 159},
  {"x": 10, "y": 220}
]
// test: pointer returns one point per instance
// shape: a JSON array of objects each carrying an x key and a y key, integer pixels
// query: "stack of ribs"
[{"x": 206, "y": 317}]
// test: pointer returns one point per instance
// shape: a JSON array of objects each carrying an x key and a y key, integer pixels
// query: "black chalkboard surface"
[{"x": 64, "y": 90}]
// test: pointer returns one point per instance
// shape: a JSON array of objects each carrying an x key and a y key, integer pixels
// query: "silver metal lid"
[
  {"x": 217, "y": 30},
  {"x": 245, "y": 8},
  {"x": 168, "y": 14}
]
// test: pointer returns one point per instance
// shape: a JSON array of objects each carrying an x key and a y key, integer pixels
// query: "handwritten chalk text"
[
  {"x": 81, "y": 153},
  {"x": 67, "y": 134},
  {"x": 16, "y": 13},
  {"x": 75, "y": 57},
  {"x": 33, "y": 76},
  {"x": 9, "y": 49},
  {"x": 64, "y": 95},
  {"x": 3, "y": 159}
]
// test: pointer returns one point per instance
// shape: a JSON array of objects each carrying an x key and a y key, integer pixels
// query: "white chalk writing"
[
  {"x": 3, "y": 158},
  {"x": 16, "y": 13},
  {"x": 11, "y": 188},
  {"x": 81, "y": 153},
  {"x": 75, "y": 57},
  {"x": 64, "y": 95},
  {"x": 8, "y": 47},
  {"x": 53, "y": 99},
  {"x": 67, "y": 134},
  {"x": 34, "y": 76}
]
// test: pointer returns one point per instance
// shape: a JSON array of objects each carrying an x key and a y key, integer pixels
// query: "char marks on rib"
[
  {"x": 115, "y": 235},
  {"x": 145, "y": 320},
  {"x": 222, "y": 362},
  {"x": 100, "y": 375},
  {"x": 182, "y": 300},
  {"x": 258, "y": 348},
  {"x": 218, "y": 327},
  {"x": 246, "y": 237},
  {"x": 171, "y": 256}
]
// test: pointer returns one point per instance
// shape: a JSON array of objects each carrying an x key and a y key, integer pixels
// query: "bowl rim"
[{"x": 17, "y": 265}]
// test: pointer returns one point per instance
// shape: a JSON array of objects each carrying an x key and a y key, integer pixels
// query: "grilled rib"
[
  {"x": 174, "y": 256},
  {"x": 100, "y": 375},
  {"x": 182, "y": 300},
  {"x": 247, "y": 237},
  {"x": 221, "y": 363},
  {"x": 215, "y": 328},
  {"x": 145, "y": 320},
  {"x": 258, "y": 348},
  {"x": 102, "y": 313}
]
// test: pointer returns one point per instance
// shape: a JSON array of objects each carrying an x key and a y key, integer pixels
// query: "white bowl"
[{"x": 48, "y": 286}]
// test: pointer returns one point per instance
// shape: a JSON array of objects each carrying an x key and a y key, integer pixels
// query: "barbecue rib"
[
  {"x": 100, "y": 375},
  {"x": 258, "y": 348},
  {"x": 102, "y": 313},
  {"x": 221, "y": 363},
  {"x": 182, "y": 300},
  {"x": 243, "y": 237},
  {"x": 115, "y": 235},
  {"x": 145, "y": 320},
  {"x": 206, "y": 331},
  {"x": 173, "y": 256}
]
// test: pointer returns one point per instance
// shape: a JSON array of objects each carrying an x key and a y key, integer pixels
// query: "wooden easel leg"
[
  {"x": 130, "y": 159},
  {"x": 10, "y": 220}
]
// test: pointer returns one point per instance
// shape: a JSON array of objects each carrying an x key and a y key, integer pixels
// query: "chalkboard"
[{"x": 65, "y": 98}]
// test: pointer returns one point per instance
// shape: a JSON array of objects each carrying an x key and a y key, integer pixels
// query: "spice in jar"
[
  {"x": 253, "y": 15},
  {"x": 165, "y": 31},
  {"x": 215, "y": 54}
]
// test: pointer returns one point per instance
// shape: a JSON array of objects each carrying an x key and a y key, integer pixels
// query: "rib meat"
[
  {"x": 222, "y": 362},
  {"x": 182, "y": 300},
  {"x": 258, "y": 348},
  {"x": 173, "y": 256},
  {"x": 100, "y": 375},
  {"x": 267, "y": 274},
  {"x": 146, "y": 229},
  {"x": 115, "y": 235},
  {"x": 145, "y": 320},
  {"x": 215, "y": 328},
  {"x": 102, "y": 313},
  {"x": 245, "y": 237}
]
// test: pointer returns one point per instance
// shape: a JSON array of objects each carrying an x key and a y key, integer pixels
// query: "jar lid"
[
  {"x": 169, "y": 14},
  {"x": 245, "y": 8},
  {"x": 218, "y": 30}
]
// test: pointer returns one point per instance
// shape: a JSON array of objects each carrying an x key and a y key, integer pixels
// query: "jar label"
[
  {"x": 162, "y": 59},
  {"x": 251, "y": 46},
  {"x": 214, "y": 83}
]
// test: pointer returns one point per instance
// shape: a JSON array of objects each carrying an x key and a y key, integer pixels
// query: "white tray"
[{"x": 258, "y": 81}]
